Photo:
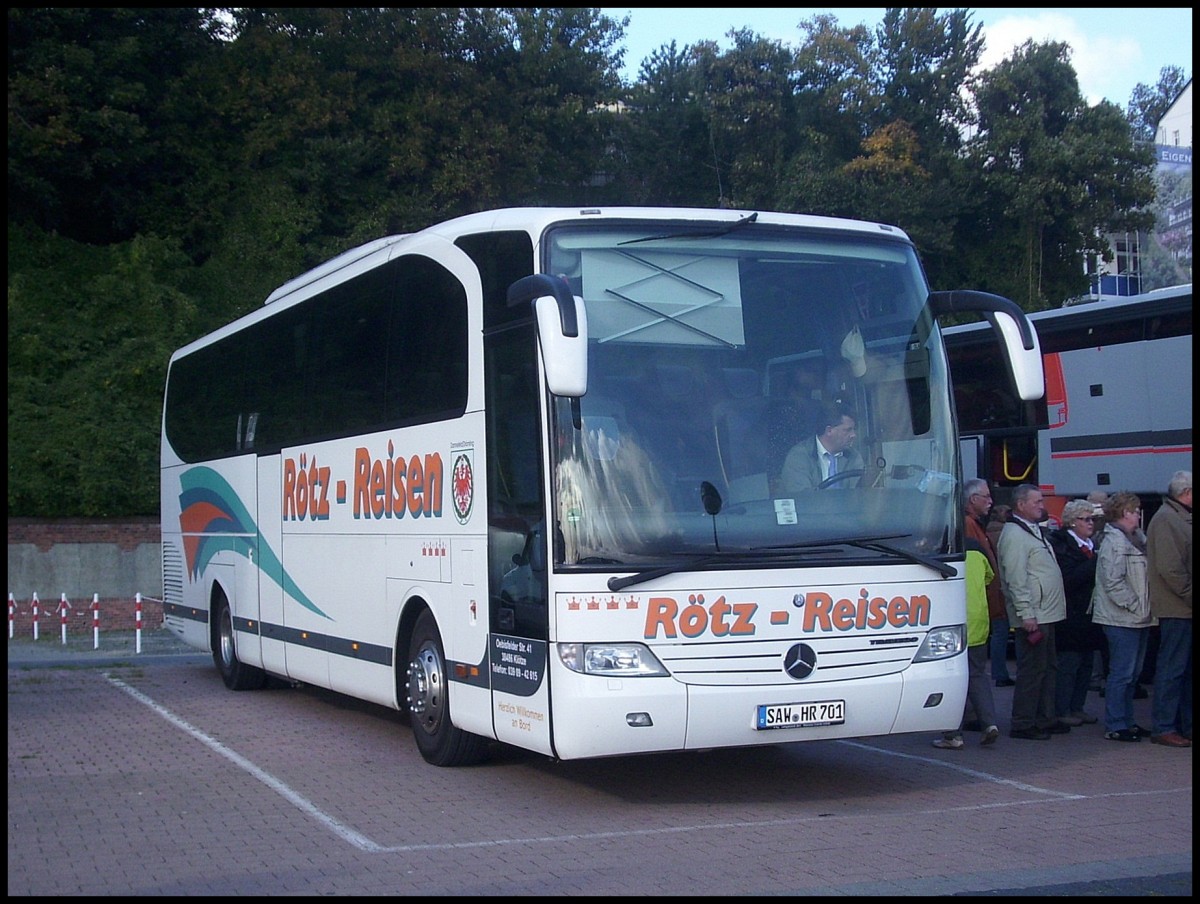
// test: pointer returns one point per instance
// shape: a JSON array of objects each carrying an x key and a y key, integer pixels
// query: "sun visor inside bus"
[{"x": 663, "y": 297}]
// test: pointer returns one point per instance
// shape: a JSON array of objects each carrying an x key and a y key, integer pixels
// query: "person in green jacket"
[{"x": 979, "y": 684}]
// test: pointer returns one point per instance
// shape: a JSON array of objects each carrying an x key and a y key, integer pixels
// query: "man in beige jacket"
[{"x": 1033, "y": 591}]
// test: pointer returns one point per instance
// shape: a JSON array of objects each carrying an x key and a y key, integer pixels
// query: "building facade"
[{"x": 1163, "y": 257}]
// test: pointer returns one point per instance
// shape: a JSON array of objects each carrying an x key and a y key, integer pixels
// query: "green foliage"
[
  {"x": 1148, "y": 104},
  {"x": 924, "y": 62},
  {"x": 665, "y": 154},
  {"x": 1054, "y": 174},
  {"x": 86, "y": 92},
  {"x": 168, "y": 168},
  {"x": 90, "y": 330}
]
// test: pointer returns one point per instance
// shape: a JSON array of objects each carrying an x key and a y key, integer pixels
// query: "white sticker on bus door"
[{"x": 520, "y": 692}]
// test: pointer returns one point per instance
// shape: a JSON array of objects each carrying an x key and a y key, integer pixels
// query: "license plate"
[{"x": 801, "y": 715}]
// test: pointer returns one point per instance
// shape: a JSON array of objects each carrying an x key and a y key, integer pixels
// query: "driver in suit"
[{"x": 830, "y": 452}]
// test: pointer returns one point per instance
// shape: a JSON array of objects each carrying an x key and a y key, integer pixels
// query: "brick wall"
[
  {"x": 45, "y": 535},
  {"x": 84, "y": 558}
]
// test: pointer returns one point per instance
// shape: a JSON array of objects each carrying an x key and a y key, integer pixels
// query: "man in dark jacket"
[
  {"x": 1076, "y": 639},
  {"x": 1169, "y": 554}
]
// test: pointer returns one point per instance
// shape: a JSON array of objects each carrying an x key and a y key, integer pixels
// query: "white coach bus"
[{"x": 520, "y": 475}]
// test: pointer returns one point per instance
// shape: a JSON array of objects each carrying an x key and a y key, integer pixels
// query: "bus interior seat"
[
  {"x": 739, "y": 423},
  {"x": 675, "y": 422}
]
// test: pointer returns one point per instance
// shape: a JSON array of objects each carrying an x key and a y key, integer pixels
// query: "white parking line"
[
  {"x": 974, "y": 773},
  {"x": 360, "y": 841}
]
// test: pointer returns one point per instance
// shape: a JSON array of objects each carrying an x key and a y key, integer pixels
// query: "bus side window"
[{"x": 427, "y": 348}]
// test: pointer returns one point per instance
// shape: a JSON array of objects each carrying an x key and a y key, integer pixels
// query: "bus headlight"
[
  {"x": 618, "y": 660},
  {"x": 941, "y": 643}
]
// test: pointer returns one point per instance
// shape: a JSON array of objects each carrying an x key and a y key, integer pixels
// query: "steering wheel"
[{"x": 839, "y": 477}]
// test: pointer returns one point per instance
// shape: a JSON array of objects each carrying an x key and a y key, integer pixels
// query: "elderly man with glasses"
[{"x": 977, "y": 502}]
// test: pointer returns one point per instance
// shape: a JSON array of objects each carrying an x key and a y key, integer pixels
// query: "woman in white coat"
[{"x": 1121, "y": 606}]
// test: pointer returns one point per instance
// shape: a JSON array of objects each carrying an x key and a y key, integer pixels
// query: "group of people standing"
[{"x": 1095, "y": 584}]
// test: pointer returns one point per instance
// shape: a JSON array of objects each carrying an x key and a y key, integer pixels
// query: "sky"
[{"x": 1112, "y": 49}]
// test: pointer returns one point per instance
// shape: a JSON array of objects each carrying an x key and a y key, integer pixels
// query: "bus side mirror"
[
  {"x": 1025, "y": 363},
  {"x": 562, "y": 331},
  {"x": 1017, "y": 335}
]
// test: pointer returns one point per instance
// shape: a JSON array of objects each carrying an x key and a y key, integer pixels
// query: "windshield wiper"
[
  {"x": 872, "y": 544},
  {"x": 698, "y": 234},
  {"x": 946, "y": 571},
  {"x": 876, "y": 544},
  {"x": 615, "y": 583},
  {"x": 765, "y": 552}
]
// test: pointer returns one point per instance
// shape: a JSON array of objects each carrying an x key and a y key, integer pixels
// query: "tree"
[
  {"x": 882, "y": 115},
  {"x": 747, "y": 98},
  {"x": 1055, "y": 176},
  {"x": 207, "y": 160},
  {"x": 923, "y": 72},
  {"x": 665, "y": 154},
  {"x": 555, "y": 103},
  {"x": 835, "y": 92},
  {"x": 86, "y": 90},
  {"x": 1148, "y": 105},
  {"x": 833, "y": 102},
  {"x": 89, "y": 333}
]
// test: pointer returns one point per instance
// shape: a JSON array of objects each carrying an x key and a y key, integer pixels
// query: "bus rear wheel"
[
  {"x": 428, "y": 696},
  {"x": 236, "y": 674}
]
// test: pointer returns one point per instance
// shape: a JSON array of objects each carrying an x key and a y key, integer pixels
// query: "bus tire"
[
  {"x": 428, "y": 699},
  {"x": 236, "y": 674}
]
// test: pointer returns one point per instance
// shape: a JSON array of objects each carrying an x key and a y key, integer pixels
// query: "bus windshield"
[{"x": 716, "y": 360}]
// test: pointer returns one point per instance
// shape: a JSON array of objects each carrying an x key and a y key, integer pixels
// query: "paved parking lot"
[{"x": 145, "y": 776}]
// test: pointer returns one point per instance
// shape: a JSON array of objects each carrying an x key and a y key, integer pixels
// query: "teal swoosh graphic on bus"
[{"x": 213, "y": 519}]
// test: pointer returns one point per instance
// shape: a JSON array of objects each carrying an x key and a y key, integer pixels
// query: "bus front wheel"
[
  {"x": 440, "y": 742},
  {"x": 236, "y": 674}
]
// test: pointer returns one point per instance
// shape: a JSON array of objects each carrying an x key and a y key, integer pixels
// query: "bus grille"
[
  {"x": 750, "y": 663},
  {"x": 172, "y": 569}
]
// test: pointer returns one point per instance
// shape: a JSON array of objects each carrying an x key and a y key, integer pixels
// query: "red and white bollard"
[
  {"x": 137, "y": 614},
  {"x": 63, "y": 606},
  {"x": 35, "y": 616},
  {"x": 95, "y": 621},
  {"x": 12, "y": 616}
]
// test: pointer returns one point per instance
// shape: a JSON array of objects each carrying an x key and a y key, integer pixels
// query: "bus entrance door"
[{"x": 518, "y": 651}]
